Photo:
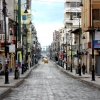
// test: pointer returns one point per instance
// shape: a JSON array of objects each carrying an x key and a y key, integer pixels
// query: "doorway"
[{"x": 98, "y": 65}]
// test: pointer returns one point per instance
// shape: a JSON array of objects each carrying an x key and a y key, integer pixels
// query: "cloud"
[{"x": 48, "y": 16}]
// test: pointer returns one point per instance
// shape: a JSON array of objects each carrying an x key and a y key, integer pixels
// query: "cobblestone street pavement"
[{"x": 47, "y": 82}]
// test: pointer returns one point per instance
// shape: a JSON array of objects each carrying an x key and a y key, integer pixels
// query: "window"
[
  {"x": 23, "y": 17},
  {"x": 96, "y": 14},
  {"x": 76, "y": 14},
  {"x": 78, "y": 3},
  {"x": 73, "y": 4},
  {"x": 24, "y": 26}
]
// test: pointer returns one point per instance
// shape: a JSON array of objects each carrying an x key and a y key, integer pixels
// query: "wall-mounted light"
[
  {"x": 25, "y": 11},
  {"x": 81, "y": 4},
  {"x": 83, "y": 37}
]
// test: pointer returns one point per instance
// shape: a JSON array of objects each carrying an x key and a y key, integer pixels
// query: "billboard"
[{"x": 96, "y": 44}]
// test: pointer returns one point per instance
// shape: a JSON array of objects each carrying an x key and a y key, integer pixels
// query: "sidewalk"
[
  {"x": 6, "y": 88},
  {"x": 85, "y": 78}
]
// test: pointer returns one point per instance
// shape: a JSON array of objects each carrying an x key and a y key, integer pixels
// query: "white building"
[
  {"x": 71, "y": 8},
  {"x": 72, "y": 21}
]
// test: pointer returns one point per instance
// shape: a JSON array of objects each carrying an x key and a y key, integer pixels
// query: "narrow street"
[{"x": 47, "y": 82}]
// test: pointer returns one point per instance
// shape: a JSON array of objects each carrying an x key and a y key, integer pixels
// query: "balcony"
[
  {"x": 70, "y": 1},
  {"x": 67, "y": 20},
  {"x": 72, "y": 9}
]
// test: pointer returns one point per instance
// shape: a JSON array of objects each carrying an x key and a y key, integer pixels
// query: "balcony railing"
[
  {"x": 67, "y": 20},
  {"x": 72, "y": 9}
]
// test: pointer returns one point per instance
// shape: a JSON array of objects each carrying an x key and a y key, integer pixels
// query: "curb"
[
  {"x": 90, "y": 84},
  {"x": 19, "y": 83},
  {"x": 78, "y": 78},
  {"x": 29, "y": 72},
  {"x": 8, "y": 90}
]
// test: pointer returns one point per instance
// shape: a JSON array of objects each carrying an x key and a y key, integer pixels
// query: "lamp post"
[
  {"x": 93, "y": 71},
  {"x": 63, "y": 54},
  {"x": 58, "y": 52},
  {"x": 24, "y": 48},
  {"x": 66, "y": 48},
  {"x": 71, "y": 54},
  {"x": 79, "y": 52},
  {"x": 6, "y": 61},
  {"x": 16, "y": 68}
]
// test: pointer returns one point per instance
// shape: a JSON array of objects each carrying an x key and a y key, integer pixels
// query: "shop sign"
[
  {"x": 12, "y": 48},
  {"x": 96, "y": 44}
]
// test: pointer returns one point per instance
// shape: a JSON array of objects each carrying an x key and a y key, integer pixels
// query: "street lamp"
[
  {"x": 63, "y": 54},
  {"x": 16, "y": 68},
  {"x": 25, "y": 7},
  {"x": 66, "y": 47},
  {"x": 6, "y": 61},
  {"x": 23, "y": 52},
  {"x": 81, "y": 4},
  {"x": 71, "y": 54}
]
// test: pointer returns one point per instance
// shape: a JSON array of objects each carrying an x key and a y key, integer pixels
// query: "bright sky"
[{"x": 48, "y": 16}]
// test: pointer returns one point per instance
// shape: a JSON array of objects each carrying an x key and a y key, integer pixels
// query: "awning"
[
  {"x": 76, "y": 30},
  {"x": 13, "y": 21}
]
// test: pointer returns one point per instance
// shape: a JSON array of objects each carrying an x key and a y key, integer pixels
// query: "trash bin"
[
  {"x": 17, "y": 73},
  {"x": 77, "y": 71},
  {"x": 68, "y": 68},
  {"x": 23, "y": 68}
]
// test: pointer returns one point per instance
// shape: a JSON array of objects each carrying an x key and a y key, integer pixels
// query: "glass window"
[
  {"x": 73, "y": 4},
  {"x": 74, "y": 14},
  {"x": 78, "y": 3},
  {"x": 78, "y": 15},
  {"x": 24, "y": 26},
  {"x": 23, "y": 17}
]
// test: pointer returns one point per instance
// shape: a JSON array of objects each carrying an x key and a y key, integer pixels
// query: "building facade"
[
  {"x": 90, "y": 24},
  {"x": 72, "y": 21}
]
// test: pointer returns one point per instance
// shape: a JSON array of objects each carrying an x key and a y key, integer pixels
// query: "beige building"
[{"x": 90, "y": 22}]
